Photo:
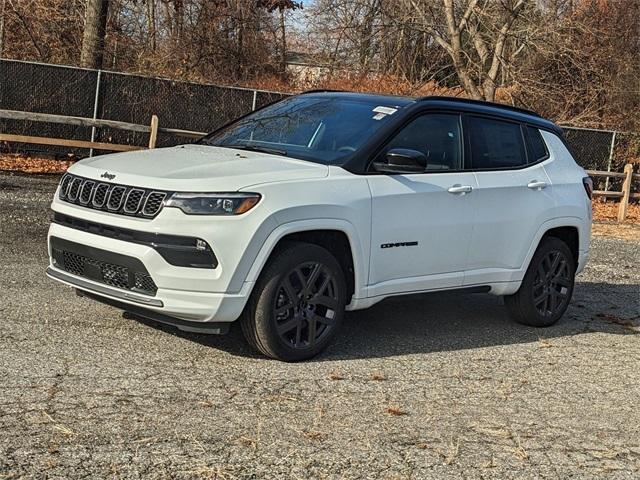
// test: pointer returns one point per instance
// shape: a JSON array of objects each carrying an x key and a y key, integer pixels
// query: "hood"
[{"x": 196, "y": 168}]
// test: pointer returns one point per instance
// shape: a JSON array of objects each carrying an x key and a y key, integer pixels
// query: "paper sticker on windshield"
[
  {"x": 385, "y": 110},
  {"x": 379, "y": 116}
]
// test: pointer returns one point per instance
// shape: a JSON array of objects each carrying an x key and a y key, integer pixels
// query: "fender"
[
  {"x": 360, "y": 259},
  {"x": 505, "y": 281},
  {"x": 576, "y": 222}
]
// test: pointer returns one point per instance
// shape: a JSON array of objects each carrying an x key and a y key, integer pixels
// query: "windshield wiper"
[{"x": 256, "y": 148}]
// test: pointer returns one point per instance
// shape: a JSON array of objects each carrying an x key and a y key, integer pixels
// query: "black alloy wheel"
[
  {"x": 547, "y": 286},
  {"x": 305, "y": 305},
  {"x": 297, "y": 304},
  {"x": 552, "y": 284}
]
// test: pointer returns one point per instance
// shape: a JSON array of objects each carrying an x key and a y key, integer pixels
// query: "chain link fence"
[
  {"x": 604, "y": 150},
  {"x": 43, "y": 88}
]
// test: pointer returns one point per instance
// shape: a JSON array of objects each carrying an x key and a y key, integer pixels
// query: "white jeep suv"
[{"x": 326, "y": 202}]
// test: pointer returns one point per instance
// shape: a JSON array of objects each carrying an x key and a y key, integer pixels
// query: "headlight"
[{"x": 213, "y": 203}]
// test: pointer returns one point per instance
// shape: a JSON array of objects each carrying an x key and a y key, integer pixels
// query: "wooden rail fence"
[
  {"x": 625, "y": 195},
  {"x": 152, "y": 129}
]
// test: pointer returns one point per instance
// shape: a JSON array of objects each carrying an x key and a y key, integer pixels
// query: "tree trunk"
[
  {"x": 151, "y": 16},
  {"x": 283, "y": 35},
  {"x": 95, "y": 23},
  {"x": 3, "y": 7}
]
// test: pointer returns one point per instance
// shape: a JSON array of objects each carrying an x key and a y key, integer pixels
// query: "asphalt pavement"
[{"x": 441, "y": 386}]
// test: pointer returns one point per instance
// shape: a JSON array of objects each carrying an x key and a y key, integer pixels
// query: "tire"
[
  {"x": 546, "y": 289},
  {"x": 297, "y": 305}
]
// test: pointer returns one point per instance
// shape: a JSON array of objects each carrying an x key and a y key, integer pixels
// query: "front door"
[{"x": 422, "y": 222}]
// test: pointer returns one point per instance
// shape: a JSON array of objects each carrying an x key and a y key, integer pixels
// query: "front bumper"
[{"x": 185, "y": 294}]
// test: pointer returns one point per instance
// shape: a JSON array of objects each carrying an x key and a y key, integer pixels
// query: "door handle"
[
  {"x": 457, "y": 188},
  {"x": 536, "y": 185}
]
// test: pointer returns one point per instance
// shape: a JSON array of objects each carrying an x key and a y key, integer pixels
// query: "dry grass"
[
  {"x": 212, "y": 473},
  {"x": 26, "y": 164},
  {"x": 626, "y": 323},
  {"x": 355, "y": 82},
  {"x": 490, "y": 464},
  {"x": 280, "y": 398},
  {"x": 520, "y": 452},
  {"x": 544, "y": 343},
  {"x": 608, "y": 211},
  {"x": 378, "y": 377},
  {"x": 336, "y": 375},
  {"x": 396, "y": 411},
  {"x": 605, "y": 218},
  {"x": 67, "y": 432},
  {"x": 315, "y": 435},
  {"x": 248, "y": 442},
  {"x": 450, "y": 455},
  {"x": 491, "y": 430},
  {"x": 624, "y": 231}
]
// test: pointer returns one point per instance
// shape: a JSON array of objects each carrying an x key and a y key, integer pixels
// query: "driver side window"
[{"x": 436, "y": 135}]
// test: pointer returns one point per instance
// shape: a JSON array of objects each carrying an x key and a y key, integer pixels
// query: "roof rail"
[
  {"x": 324, "y": 90},
  {"x": 481, "y": 102}
]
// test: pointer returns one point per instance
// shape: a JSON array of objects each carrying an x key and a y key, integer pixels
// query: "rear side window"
[
  {"x": 495, "y": 144},
  {"x": 536, "y": 147}
]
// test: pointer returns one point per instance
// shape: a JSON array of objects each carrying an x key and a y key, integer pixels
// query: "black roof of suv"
[
  {"x": 455, "y": 103},
  {"x": 408, "y": 107}
]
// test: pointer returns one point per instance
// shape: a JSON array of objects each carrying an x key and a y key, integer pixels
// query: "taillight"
[{"x": 588, "y": 186}]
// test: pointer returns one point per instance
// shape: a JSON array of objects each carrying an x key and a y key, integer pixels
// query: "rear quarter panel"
[{"x": 567, "y": 188}]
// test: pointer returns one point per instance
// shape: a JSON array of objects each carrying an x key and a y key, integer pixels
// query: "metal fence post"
[
  {"x": 255, "y": 100},
  {"x": 613, "y": 143},
  {"x": 95, "y": 109}
]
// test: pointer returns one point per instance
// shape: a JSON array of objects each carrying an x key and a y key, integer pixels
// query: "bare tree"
[
  {"x": 151, "y": 22},
  {"x": 474, "y": 34},
  {"x": 282, "y": 6},
  {"x": 573, "y": 60},
  {"x": 95, "y": 23},
  {"x": 3, "y": 7},
  {"x": 374, "y": 37}
]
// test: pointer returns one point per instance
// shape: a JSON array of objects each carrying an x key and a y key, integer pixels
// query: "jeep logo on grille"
[{"x": 108, "y": 176}]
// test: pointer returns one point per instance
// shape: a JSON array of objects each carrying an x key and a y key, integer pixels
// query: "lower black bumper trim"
[
  {"x": 112, "y": 292},
  {"x": 215, "y": 328}
]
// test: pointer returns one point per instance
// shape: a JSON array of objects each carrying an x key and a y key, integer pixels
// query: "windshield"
[{"x": 319, "y": 129}]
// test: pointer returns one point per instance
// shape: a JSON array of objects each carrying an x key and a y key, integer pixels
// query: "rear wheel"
[
  {"x": 297, "y": 304},
  {"x": 547, "y": 286}
]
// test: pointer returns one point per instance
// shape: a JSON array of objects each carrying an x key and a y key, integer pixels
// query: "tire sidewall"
[
  {"x": 547, "y": 246},
  {"x": 268, "y": 285}
]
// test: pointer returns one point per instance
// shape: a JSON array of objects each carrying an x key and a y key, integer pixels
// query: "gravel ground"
[{"x": 444, "y": 386}]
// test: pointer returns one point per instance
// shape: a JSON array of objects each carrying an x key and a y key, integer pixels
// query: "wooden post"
[
  {"x": 153, "y": 136},
  {"x": 626, "y": 193}
]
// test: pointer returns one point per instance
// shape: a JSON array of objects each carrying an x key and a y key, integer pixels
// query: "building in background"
[{"x": 306, "y": 69}]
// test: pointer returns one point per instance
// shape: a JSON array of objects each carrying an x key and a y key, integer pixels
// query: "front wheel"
[
  {"x": 547, "y": 286},
  {"x": 297, "y": 304}
]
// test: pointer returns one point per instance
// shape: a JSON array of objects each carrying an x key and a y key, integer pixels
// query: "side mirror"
[{"x": 402, "y": 160}]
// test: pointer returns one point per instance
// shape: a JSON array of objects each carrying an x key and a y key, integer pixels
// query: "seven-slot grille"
[{"x": 120, "y": 199}]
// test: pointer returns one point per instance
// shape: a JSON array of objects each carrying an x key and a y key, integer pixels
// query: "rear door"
[
  {"x": 422, "y": 222},
  {"x": 512, "y": 199}
]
